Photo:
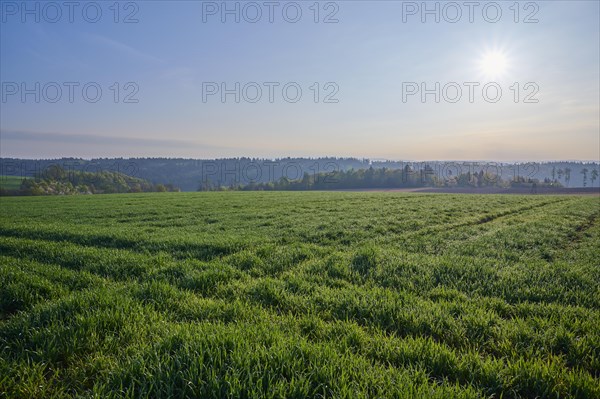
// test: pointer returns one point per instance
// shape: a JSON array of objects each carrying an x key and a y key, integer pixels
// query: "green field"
[
  {"x": 10, "y": 182},
  {"x": 300, "y": 294}
]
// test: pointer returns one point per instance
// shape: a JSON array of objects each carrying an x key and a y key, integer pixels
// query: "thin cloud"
[
  {"x": 38, "y": 137},
  {"x": 122, "y": 47}
]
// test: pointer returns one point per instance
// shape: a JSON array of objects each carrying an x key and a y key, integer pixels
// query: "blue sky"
[{"x": 368, "y": 57}]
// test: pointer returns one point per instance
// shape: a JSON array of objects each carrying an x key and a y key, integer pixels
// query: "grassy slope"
[
  {"x": 10, "y": 182},
  {"x": 300, "y": 294}
]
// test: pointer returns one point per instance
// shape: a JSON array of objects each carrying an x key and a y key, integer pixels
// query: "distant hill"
[{"x": 195, "y": 174}]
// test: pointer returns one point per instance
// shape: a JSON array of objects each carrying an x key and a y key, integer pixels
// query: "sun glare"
[{"x": 494, "y": 64}]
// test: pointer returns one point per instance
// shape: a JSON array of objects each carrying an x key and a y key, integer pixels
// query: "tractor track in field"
[
  {"x": 472, "y": 235},
  {"x": 480, "y": 221},
  {"x": 579, "y": 233}
]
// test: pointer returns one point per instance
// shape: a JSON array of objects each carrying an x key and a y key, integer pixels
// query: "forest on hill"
[
  {"x": 58, "y": 181},
  {"x": 195, "y": 174}
]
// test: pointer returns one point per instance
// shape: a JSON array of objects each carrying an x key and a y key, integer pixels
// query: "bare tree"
[
  {"x": 584, "y": 172},
  {"x": 567, "y": 176}
]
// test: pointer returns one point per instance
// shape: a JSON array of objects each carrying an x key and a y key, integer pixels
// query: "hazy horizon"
[{"x": 407, "y": 160}]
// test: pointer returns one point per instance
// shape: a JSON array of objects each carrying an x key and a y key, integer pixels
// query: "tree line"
[{"x": 385, "y": 178}]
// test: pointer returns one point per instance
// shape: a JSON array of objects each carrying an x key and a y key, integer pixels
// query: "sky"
[{"x": 373, "y": 79}]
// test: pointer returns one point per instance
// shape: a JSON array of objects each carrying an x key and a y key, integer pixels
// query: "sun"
[{"x": 494, "y": 64}]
